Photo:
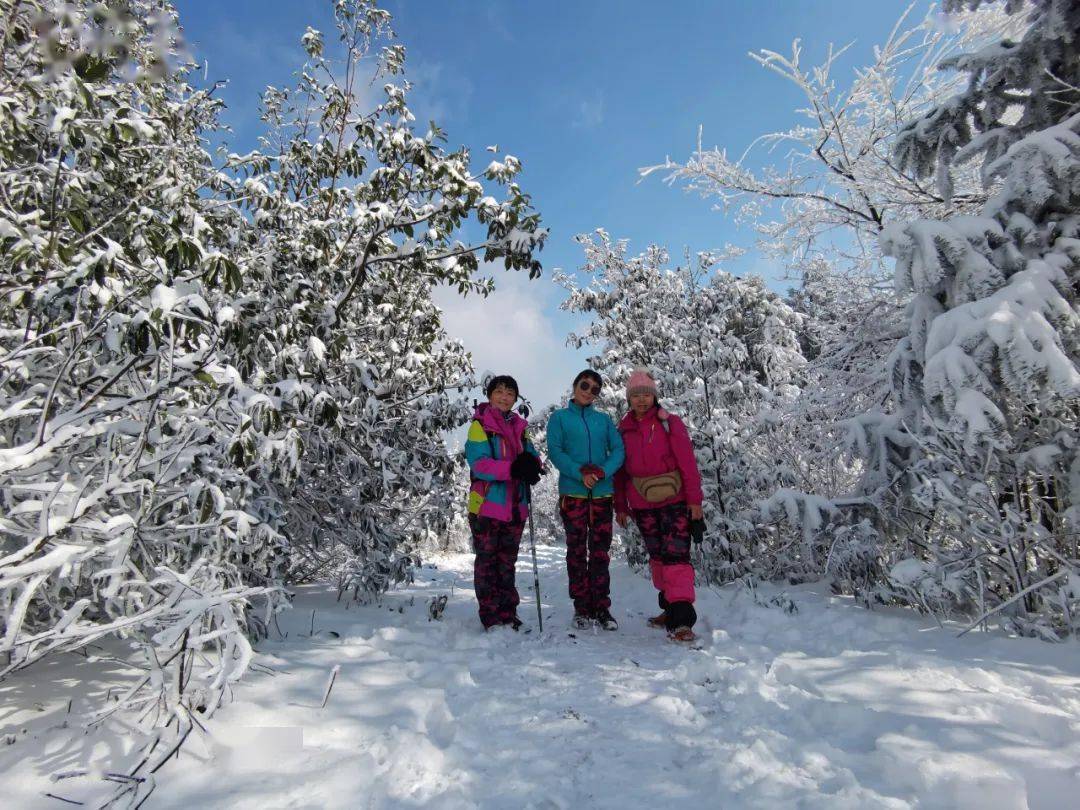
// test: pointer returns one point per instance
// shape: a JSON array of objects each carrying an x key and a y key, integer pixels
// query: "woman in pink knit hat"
[{"x": 660, "y": 486}]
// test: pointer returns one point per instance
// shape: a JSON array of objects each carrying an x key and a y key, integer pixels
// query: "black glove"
[
  {"x": 697, "y": 530},
  {"x": 536, "y": 469},
  {"x": 525, "y": 468}
]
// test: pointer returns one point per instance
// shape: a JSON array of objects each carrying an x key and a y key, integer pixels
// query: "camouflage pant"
[
  {"x": 588, "y": 542},
  {"x": 666, "y": 531},
  {"x": 495, "y": 543}
]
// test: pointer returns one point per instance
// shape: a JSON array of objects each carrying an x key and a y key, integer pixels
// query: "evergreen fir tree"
[{"x": 982, "y": 440}]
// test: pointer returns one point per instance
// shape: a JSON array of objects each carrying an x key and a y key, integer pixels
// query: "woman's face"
[
  {"x": 503, "y": 398},
  {"x": 641, "y": 402},
  {"x": 586, "y": 391}
]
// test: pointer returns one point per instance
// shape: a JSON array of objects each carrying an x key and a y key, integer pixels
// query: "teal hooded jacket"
[{"x": 577, "y": 436}]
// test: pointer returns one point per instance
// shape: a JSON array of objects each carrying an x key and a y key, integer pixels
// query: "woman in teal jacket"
[{"x": 587, "y": 450}]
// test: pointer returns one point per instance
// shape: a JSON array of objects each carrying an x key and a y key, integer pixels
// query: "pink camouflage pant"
[
  {"x": 666, "y": 531},
  {"x": 495, "y": 543}
]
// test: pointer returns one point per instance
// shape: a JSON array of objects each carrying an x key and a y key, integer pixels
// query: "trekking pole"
[{"x": 536, "y": 570}]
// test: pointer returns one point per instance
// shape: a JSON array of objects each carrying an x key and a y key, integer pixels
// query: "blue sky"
[{"x": 584, "y": 93}]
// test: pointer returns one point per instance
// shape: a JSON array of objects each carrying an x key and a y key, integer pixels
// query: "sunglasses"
[{"x": 585, "y": 385}]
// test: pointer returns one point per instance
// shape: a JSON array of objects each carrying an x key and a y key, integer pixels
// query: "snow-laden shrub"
[{"x": 217, "y": 379}]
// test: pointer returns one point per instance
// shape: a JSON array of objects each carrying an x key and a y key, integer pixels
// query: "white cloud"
[
  {"x": 514, "y": 331},
  {"x": 438, "y": 94},
  {"x": 497, "y": 22},
  {"x": 252, "y": 51},
  {"x": 590, "y": 112}
]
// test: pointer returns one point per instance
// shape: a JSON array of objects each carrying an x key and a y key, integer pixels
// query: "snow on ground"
[{"x": 831, "y": 707}]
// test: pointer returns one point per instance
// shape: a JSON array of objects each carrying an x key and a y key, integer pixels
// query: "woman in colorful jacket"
[
  {"x": 586, "y": 449},
  {"x": 661, "y": 487},
  {"x": 503, "y": 465}
]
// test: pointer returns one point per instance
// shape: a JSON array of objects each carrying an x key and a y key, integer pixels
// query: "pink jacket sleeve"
[
  {"x": 683, "y": 449},
  {"x": 478, "y": 454},
  {"x": 490, "y": 469}
]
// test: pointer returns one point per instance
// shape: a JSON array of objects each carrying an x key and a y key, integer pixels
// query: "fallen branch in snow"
[
  {"x": 1008, "y": 602},
  {"x": 333, "y": 677},
  {"x": 62, "y": 799}
]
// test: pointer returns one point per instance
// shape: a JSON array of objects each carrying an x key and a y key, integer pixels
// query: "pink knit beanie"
[{"x": 640, "y": 383}]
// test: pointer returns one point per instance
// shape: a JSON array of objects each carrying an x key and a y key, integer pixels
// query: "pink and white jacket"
[{"x": 652, "y": 450}]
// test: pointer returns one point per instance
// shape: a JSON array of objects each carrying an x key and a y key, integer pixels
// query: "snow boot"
[
  {"x": 518, "y": 626},
  {"x": 583, "y": 620},
  {"x": 606, "y": 620},
  {"x": 683, "y": 634},
  {"x": 660, "y": 620},
  {"x": 680, "y": 614}
]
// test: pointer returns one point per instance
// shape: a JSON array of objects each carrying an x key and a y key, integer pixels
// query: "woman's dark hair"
[
  {"x": 592, "y": 375},
  {"x": 502, "y": 379}
]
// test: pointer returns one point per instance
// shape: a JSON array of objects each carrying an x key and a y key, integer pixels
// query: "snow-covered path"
[{"x": 832, "y": 706}]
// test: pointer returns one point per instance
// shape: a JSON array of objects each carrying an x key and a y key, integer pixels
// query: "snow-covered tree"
[
  {"x": 726, "y": 355},
  {"x": 955, "y": 154},
  {"x": 121, "y": 511},
  {"x": 836, "y": 184},
  {"x": 217, "y": 377},
  {"x": 357, "y": 217},
  {"x": 818, "y": 196},
  {"x": 983, "y": 437}
]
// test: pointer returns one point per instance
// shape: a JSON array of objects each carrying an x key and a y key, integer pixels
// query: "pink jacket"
[
  {"x": 651, "y": 450},
  {"x": 493, "y": 442}
]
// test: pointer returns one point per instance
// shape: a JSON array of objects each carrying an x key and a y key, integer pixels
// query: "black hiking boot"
[
  {"x": 583, "y": 620},
  {"x": 606, "y": 620}
]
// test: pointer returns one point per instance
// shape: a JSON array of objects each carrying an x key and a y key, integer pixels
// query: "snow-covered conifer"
[
  {"x": 987, "y": 380},
  {"x": 818, "y": 196}
]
